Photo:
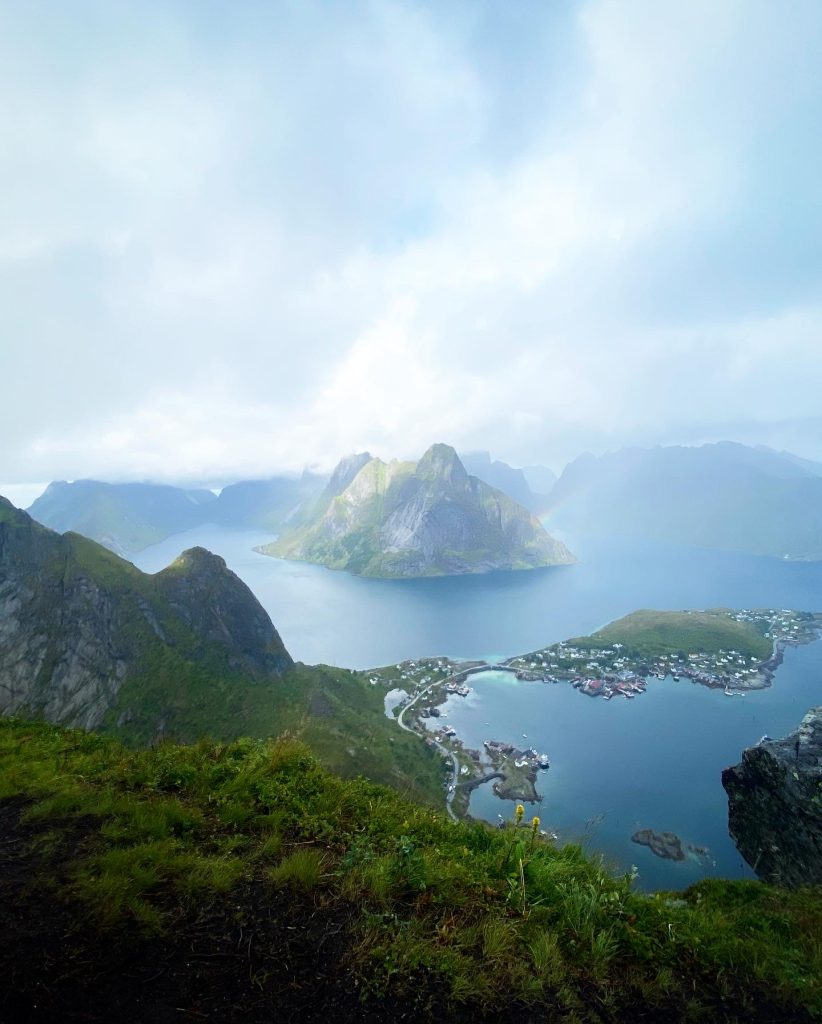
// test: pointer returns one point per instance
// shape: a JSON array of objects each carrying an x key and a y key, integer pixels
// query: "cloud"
[{"x": 237, "y": 242}]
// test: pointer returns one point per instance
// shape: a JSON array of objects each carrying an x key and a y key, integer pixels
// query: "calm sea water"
[
  {"x": 619, "y": 765},
  {"x": 652, "y": 762}
]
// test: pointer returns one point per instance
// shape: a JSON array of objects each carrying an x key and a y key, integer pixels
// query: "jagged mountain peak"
[
  {"x": 345, "y": 471},
  {"x": 441, "y": 462},
  {"x": 420, "y": 519},
  {"x": 199, "y": 559}
]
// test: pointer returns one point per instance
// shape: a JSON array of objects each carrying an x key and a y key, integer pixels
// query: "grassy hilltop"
[
  {"x": 654, "y": 634},
  {"x": 244, "y": 882}
]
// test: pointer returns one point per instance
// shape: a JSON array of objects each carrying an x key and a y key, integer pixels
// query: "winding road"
[{"x": 455, "y": 765}]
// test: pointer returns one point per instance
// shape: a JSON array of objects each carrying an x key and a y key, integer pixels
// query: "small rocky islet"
[{"x": 667, "y": 845}]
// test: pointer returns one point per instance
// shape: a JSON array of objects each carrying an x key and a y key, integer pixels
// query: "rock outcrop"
[
  {"x": 775, "y": 805},
  {"x": 80, "y": 628},
  {"x": 418, "y": 519}
]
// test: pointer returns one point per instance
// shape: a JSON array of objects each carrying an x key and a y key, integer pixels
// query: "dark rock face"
[
  {"x": 219, "y": 608},
  {"x": 61, "y": 654},
  {"x": 775, "y": 805},
  {"x": 77, "y": 622}
]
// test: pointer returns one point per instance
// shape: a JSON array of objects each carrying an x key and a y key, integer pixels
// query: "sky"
[{"x": 239, "y": 239}]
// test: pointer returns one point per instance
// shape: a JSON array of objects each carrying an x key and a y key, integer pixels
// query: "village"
[
  {"x": 417, "y": 690},
  {"x": 614, "y": 670}
]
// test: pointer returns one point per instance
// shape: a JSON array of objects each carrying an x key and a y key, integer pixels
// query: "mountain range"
[
  {"x": 417, "y": 519},
  {"x": 528, "y": 486},
  {"x": 726, "y": 496},
  {"x": 124, "y": 517}
]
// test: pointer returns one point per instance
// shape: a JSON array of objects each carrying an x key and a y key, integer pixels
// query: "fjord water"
[
  {"x": 621, "y": 765},
  {"x": 653, "y": 762},
  {"x": 338, "y": 619}
]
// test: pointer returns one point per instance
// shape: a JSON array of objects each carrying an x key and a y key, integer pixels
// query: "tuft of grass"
[
  {"x": 302, "y": 869},
  {"x": 271, "y": 846},
  {"x": 547, "y": 958}
]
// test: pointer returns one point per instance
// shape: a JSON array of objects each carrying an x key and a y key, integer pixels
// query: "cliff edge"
[{"x": 775, "y": 805}]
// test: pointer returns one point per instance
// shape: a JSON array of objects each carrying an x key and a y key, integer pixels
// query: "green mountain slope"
[
  {"x": 88, "y": 640},
  {"x": 124, "y": 517},
  {"x": 243, "y": 882},
  {"x": 265, "y": 504},
  {"x": 417, "y": 519}
]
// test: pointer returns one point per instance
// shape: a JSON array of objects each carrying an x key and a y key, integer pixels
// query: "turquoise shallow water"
[{"x": 617, "y": 765}]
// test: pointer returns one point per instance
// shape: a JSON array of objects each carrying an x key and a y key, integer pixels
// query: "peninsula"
[{"x": 732, "y": 650}]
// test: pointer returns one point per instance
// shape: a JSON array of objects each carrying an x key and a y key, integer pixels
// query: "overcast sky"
[{"x": 237, "y": 238}]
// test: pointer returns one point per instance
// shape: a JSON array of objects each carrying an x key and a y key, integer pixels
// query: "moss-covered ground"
[{"x": 243, "y": 881}]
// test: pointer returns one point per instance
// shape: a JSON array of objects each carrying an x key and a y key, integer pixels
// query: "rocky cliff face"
[
  {"x": 428, "y": 518},
  {"x": 78, "y": 625},
  {"x": 775, "y": 805}
]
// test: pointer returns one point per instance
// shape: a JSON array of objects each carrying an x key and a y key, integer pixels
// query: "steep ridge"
[
  {"x": 505, "y": 478},
  {"x": 77, "y": 623},
  {"x": 418, "y": 519},
  {"x": 88, "y": 640}
]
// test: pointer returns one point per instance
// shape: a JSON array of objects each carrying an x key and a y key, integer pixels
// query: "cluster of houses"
[
  {"x": 419, "y": 672},
  {"x": 608, "y": 686},
  {"x": 529, "y": 758},
  {"x": 783, "y": 624},
  {"x": 609, "y": 672}
]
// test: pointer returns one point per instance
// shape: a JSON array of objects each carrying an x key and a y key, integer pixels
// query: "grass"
[
  {"x": 486, "y": 918},
  {"x": 334, "y": 710},
  {"x": 303, "y": 868}
]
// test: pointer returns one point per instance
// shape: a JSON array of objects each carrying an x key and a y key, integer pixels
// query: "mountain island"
[{"x": 406, "y": 519}]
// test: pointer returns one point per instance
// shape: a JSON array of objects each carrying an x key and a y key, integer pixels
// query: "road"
[{"x": 455, "y": 765}]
